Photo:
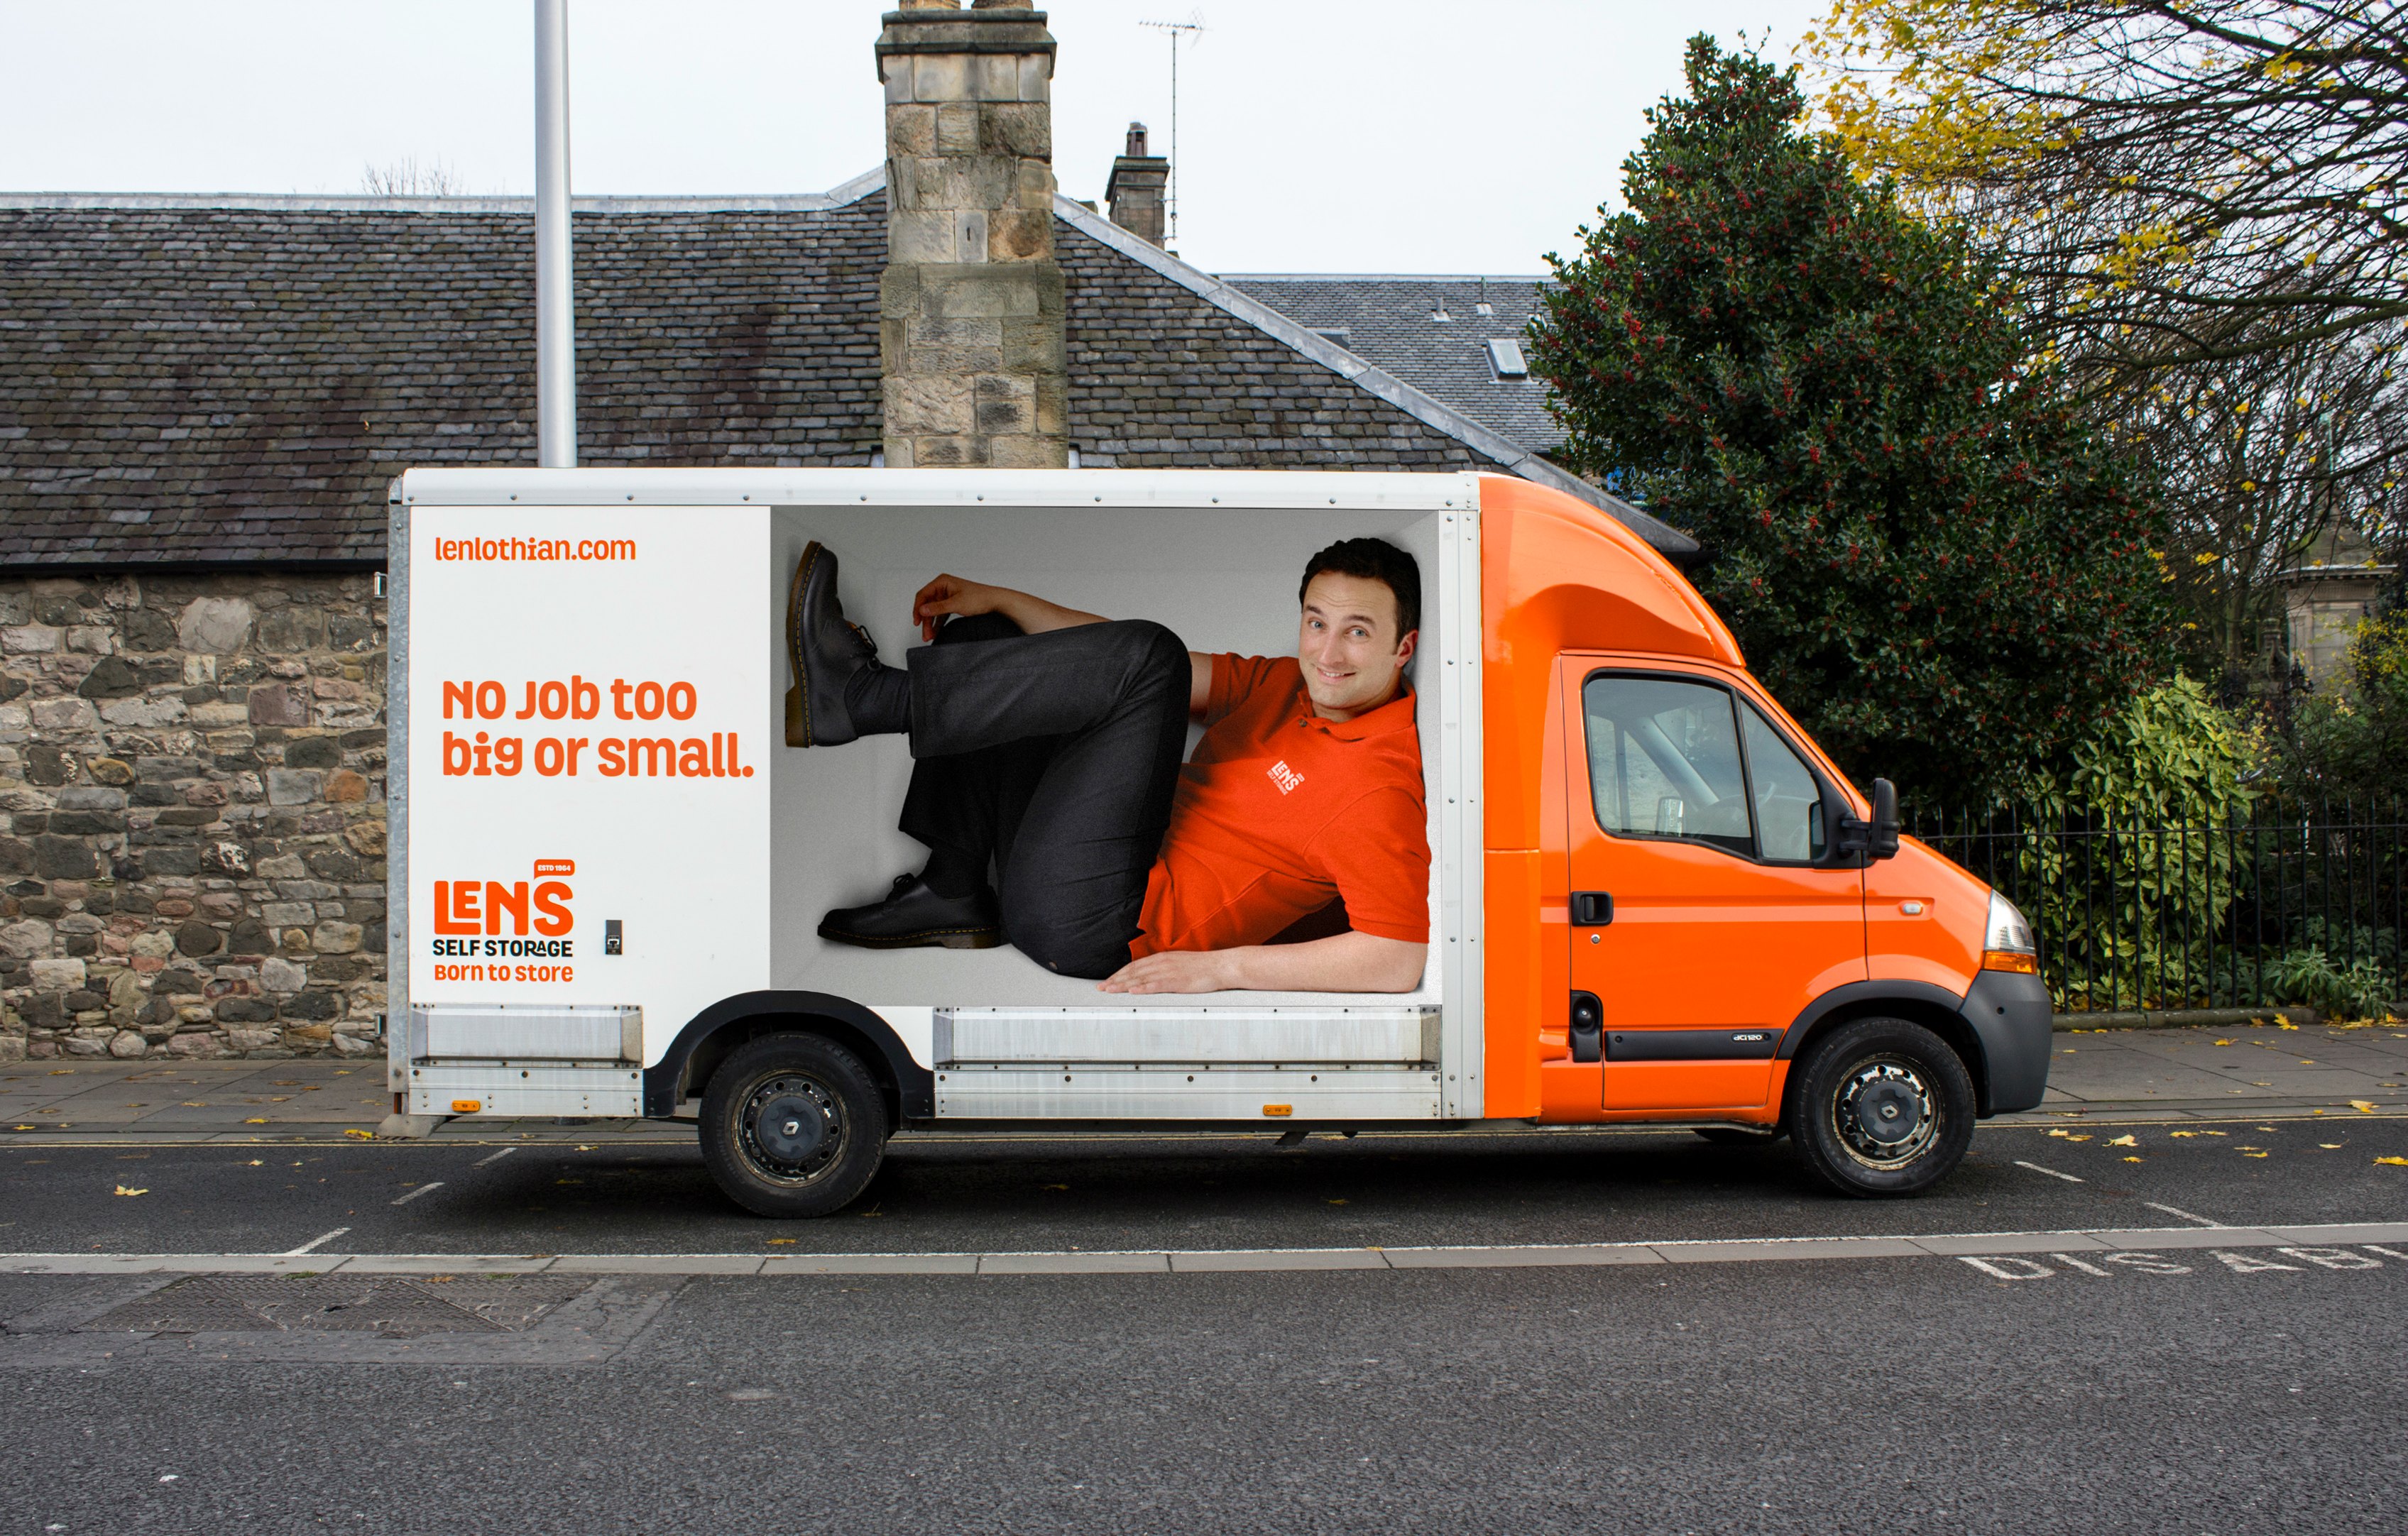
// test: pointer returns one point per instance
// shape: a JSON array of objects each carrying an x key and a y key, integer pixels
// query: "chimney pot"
[{"x": 1134, "y": 191}]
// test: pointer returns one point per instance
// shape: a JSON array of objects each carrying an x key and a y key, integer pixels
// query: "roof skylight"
[{"x": 1505, "y": 356}]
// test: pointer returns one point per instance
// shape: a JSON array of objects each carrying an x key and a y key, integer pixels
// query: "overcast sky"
[{"x": 1315, "y": 136}]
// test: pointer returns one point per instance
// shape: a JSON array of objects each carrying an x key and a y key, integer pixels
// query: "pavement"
[
  {"x": 2125, "y": 1074},
  {"x": 2174, "y": 1299}
]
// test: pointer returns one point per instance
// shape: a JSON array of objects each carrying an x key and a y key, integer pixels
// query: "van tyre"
[
  {"x": 792, "y": 1126},
  {"x": 1881, "y": 1107}
]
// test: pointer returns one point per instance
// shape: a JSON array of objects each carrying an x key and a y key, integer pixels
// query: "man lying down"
[{"x": 1046, "y": 743}]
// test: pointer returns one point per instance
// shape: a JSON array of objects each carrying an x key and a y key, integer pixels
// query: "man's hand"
[
  {"x": 950, "y": 596},
  {"x": 1343, "y": 962},
  {"x": 1172, "y": 970}
]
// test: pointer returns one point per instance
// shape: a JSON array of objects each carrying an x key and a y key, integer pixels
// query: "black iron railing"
[{"x": 2295, "y": 904}]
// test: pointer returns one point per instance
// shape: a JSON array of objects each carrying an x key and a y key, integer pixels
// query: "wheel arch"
[
  {"x": 686, "y": 1065},
  {"x": 1935, "y": 1008}
]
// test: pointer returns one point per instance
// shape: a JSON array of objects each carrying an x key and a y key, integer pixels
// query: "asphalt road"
[{"x": 2182, "y": 1389}]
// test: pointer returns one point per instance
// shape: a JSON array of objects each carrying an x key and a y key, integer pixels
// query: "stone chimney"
[
  {"x": 970, "y": 305},
  {"x": 1134, "y": 191}
]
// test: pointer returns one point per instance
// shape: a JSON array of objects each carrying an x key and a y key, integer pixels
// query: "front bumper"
[{"x": 2011, "y": 1016}]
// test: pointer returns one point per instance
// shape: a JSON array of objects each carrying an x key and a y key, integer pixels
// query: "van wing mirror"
[
  {"x": 1881, "y": 842},
  {"x": 1878, "y": 838}
]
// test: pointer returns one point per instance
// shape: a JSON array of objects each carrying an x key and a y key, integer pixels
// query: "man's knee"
[
  {"x": 963, "y": 628},
  {"x": 1150, "y": 649},
  {"x": 1065, "y": 949}
]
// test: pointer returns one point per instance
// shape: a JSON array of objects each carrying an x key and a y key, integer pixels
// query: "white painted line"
[
  {"x": 2186, "y": 1216},
  {"x": 495, "y": 1158},
  {"x": 1992, "y": 1246},
  {"x": 2050, "y": 1171},
  {"x": 297, "y": 1252},
  {"x": 422, "y": 1189}
]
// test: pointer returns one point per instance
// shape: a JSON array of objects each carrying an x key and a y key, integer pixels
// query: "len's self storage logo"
[{"x": 493, "y": 920}]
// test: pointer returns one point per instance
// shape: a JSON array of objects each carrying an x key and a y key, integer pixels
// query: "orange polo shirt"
[{"x": 1280, "y": 811}]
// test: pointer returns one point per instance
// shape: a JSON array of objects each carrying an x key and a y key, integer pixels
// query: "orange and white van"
[{"x": 1652, "y": 898}]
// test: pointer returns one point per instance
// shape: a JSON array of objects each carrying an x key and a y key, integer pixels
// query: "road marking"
[
  {"x": 297, "y": 1252},
  {"x": 2050, "y": 1171},
  {"x": 415, "y": 1193},
  {"x": 2127, "y": 1246},
  {"x": 2172, "y": 1211},
  {"x": 495, "y": 1158}
]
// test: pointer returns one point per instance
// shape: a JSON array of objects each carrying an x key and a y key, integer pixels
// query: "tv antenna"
[{"x": 1195, "y": 26}]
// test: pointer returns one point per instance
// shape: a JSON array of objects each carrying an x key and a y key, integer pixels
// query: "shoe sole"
[
  {"x": 798, "y": 697},
  {"x": 927, "y": 938}
]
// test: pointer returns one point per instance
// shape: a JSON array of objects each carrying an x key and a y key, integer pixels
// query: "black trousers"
[{"x": 1056, "y": 756}]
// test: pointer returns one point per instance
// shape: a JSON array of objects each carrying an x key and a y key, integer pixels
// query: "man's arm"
[
  {"x": 952, "y": 595},
  {"x": 1345, "y": 962}
]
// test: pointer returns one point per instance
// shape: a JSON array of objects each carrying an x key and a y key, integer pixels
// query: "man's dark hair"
[{"x": 1374, "y": 560}]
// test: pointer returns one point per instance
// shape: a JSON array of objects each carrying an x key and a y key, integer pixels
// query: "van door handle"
[{"x": 1592, "y": 908}]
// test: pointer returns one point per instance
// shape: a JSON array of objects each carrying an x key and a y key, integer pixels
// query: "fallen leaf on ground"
[
  {"x": 2224, "y": 1043},
  {"x": 362, "y": 1135},
  {"x": 122, "y": 1190},
  {"x": 2395, "y": 1162},
  {"x": 2179, "y": 1135},
  {"x": 1338, "y": 1202},
  {"x": 256, "y": 1120},
  {"x": 2069, "y": 1136},
  {"x": 22, "y": 1127},
  {"x": 2248, "y": 1154},
  {"x": 777, "y": 1242},
  {"x": 2288, "y": 1025},
  {"x": 2363, "y": 1106},
  {"x": 2125, "y": 1142},
  {"x": 254, "y": 1163},
  {"x": 2331, "y": 1146},
  {"x": 2135, "y": 1160},
  {"x": 62, "y": 1071}
]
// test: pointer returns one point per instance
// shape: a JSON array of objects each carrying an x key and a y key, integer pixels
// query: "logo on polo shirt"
[{"x": 1285, "y": 777}]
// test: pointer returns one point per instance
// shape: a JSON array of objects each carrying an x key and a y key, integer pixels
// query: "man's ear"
[{"x": 1406, "y": 646}]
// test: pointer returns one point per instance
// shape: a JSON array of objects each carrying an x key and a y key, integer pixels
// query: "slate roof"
[
  {"x": 1389, "y": 323},
  {"x": 234, "y": 381}
]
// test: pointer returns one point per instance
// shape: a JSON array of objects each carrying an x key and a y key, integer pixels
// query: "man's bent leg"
[
  {"x": 1075, "y": 863},
  {"x": 1056, "y": 684},
  {"x": 960, "y": 804}
]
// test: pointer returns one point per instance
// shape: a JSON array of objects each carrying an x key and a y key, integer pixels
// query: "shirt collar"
[{"x": 1389, "y": 718}]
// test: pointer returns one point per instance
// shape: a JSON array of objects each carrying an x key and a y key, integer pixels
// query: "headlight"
[{"x": 2009, "y": 944}]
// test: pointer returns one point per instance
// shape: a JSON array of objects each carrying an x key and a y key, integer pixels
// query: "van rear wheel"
[
  {"x": 1881, "y": 1108},
  {"x": 791, "y": 1126}
]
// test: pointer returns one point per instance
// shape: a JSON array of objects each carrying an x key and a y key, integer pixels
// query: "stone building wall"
[{"x": 191, "y": 815}]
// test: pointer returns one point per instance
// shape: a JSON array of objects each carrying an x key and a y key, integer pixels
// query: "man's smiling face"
[{"x": 1348, "y": 645}]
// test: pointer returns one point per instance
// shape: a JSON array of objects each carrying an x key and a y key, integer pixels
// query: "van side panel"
[{"x": 1516, "y": 973}]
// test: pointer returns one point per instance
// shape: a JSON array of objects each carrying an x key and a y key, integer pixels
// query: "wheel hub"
[
  {"x": 1887, "y": 1111},
  {"x": 1884, "y": 1112},
  {"x": 792, "y": 1128}
]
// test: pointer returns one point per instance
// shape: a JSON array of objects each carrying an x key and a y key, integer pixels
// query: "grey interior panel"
[{"x": 1222, "y": 578}]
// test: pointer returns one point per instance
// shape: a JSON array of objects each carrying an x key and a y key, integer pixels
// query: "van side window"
[
  {"x": 1788, "y": 802},
  {"x": 1664, "y": 761}
]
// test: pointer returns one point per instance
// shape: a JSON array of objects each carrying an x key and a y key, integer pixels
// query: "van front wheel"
[
  {"x": 791, "y": 1126},
  {"x": 1882, "y": 1108}
]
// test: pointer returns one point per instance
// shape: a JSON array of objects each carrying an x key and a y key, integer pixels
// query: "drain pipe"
[{"x": 555, "y": 322}]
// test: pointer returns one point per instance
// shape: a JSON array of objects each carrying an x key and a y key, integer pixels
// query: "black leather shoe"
[
  {"x": 914, "y": 916},
  {"x": 824, "y": 651}
]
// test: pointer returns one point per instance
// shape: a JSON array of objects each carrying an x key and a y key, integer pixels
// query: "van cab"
[{"x": 1652, "y": 898}]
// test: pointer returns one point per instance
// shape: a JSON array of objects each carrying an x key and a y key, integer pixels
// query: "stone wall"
[{"x": 191, "y": 815}]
